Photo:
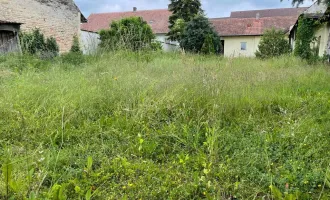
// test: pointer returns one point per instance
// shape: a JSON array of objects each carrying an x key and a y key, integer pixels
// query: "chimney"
[
  {"x": 258, "y": 16},
  {"x": 134, "y": 9}
]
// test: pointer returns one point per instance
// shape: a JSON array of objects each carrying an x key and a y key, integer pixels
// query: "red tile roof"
[
  {"x": 157, "y": 19},
  {"x": 268, "y": 12},
  {"x": 251, "y": 26}
]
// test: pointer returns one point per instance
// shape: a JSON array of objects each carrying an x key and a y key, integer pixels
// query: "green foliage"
[
  {"x": 182, "y": 12},
  {"x": 208, "y": 46},
  {"x": 75, "y": 48},
  {"x": 304, "y": 38},
  {"x": 149, "y": 125},
  {"x": 34, "y": 43},
  {"x": 73, "y": 58},
  {"x": 156, "y": 46},
  {"x": 131, "y": 33},
  {"x": 199, "y": 33},
  {"x": 273, "y": 44}
]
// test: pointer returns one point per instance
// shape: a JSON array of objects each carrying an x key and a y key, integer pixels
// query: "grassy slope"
[{"x": 164, "y": 126}]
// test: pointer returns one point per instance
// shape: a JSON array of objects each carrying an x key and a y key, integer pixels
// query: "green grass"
[{"x": 163, "y": 126}]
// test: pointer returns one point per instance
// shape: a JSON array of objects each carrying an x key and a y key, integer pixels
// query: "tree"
[
  {"x": 129, "y": 33},
  {"x": 199, "y": 33},
  {"x": 273, "y": 44},
  {"x": 182, "y": 12}
]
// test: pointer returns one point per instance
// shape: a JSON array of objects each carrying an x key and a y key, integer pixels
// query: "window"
[{"x": 243, "y": 46}]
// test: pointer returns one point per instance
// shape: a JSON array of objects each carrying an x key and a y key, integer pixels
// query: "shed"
[{"x": 9, "y": 39}]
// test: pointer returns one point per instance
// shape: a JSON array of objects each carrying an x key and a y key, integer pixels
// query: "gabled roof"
[
  {"x": 251, "y": 26},
  {"x": 268, "y": 13},
  {"x": 157, "y": 19}
]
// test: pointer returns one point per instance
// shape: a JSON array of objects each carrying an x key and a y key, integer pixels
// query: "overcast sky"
[{"x": 213, "y": 8}]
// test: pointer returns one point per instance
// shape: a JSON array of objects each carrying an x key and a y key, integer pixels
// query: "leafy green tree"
[
  {"x": 199, "y": 33},
  {"x": 129, "y": 33},
  {"x": 182, "y": 12},
  {"x": 273, "y": 44}
]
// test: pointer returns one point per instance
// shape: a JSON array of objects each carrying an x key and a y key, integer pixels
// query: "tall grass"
[{"x": 164, "y": 126}]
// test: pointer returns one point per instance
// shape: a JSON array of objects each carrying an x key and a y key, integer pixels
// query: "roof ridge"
[
  {"x": 250, "y": 18},
  {"x": 268, "y": 9},
  {"x": 101, "y": 13}
]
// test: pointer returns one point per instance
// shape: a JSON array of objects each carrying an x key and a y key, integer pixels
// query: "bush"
[
  {"x": 273, "y": 44},
  {"x": 34, "y": 43},
  {"x": 73, "y": 58},
  {"x": 131, "y": 33},
  {"x": 199, "y": 33},
  {"x": 75, "y": 48},
  {"x": 208, "y": 46}
]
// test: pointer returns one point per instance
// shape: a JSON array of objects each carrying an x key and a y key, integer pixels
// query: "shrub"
[
  {"x": 75, "y": 48},
  {"x": 273, "y": 44},
  {"x": 131, "y": 33},
  {"x": 197, "y": 32},
  {"x": 34, "y": 43},
  {"x": 208, "y": 46}
]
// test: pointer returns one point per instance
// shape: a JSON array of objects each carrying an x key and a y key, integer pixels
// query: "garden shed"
[{"x": 9, "y": 39}]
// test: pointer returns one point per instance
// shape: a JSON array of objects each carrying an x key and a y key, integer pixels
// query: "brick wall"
[{"x": 57, "y": 18}]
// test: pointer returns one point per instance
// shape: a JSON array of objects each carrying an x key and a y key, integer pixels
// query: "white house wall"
[
  {"x": 168, "y": 46},
  {"x": 232, "y": 47},
  {"x": 89, "y": 41}
]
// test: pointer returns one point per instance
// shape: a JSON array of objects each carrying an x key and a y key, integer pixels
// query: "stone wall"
[{"x": 58, "y": 18}]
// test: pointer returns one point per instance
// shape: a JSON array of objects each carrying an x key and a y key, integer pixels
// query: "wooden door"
[{"x": 8, "y": 42}]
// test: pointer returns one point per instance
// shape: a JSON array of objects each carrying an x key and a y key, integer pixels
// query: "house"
[
  {"x": 60, "y": 19},
  {"x": 240, "y": 33},
  {"x": 157, "y": 19},
  {"x": 241, "y": 36},
  {"x": 317, "y": 11},
  {"x": 9, "y": 41}
]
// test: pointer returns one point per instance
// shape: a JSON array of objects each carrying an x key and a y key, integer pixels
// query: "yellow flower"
[{"x": 116, "y": 78}]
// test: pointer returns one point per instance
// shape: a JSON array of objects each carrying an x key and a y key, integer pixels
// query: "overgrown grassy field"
[{"x": 164, "y": 126}]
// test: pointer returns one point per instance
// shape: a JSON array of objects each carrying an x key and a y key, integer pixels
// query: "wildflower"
[{"x": 116, "y": 78}]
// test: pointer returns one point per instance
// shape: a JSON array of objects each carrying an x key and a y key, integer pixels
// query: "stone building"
[{"x": 60, "y": 19}]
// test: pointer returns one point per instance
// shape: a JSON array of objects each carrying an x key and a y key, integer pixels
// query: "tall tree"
[
  {"x": 200, "y": 37},
  {"x": 182, "y": 12}
]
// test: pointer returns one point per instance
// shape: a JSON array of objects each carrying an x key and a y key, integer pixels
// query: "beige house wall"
[
  {"x": 322, "y": 34},
  {"x": 232, "y": 47},
  {"x": 52, "y": 17}
]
